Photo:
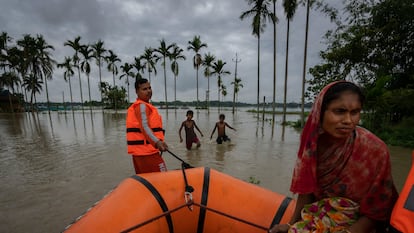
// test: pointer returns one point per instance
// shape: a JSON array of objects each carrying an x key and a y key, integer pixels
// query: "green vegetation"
[
  {"x": 375, "y": 48},
  {"x": 253, "y": 180}
]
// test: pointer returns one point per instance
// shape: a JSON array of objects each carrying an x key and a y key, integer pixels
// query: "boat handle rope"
[
  {"x": 232, "y": 217},
  {"x": 154, "y": 218},
  {"x": 202, "y": 207},
  {"x": 186, "y": 165}
]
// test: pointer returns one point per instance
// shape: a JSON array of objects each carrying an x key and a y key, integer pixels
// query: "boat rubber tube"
[{"x": 219, "y": 202}]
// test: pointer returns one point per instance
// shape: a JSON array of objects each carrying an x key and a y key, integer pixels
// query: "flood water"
[{"x": 54, "y": 166}]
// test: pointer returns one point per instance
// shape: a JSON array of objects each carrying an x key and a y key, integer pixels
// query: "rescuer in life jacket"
[
  {"x": 145, "y": 135},
  {"x": 402, "y": 217}
]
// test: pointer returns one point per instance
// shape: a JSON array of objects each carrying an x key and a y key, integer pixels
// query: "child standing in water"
[
  {"x": 190, "y": 135},
  {"x": 221, "y": 130}
]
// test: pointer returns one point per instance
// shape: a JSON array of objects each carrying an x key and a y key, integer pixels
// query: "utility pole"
[{"x": 236, "y": 60}]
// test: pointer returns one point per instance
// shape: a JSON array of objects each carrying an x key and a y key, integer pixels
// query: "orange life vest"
[
  {"x": 402, "y": 217},
  {"x": 138, "y": 142}
]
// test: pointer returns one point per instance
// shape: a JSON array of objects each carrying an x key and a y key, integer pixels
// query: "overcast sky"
[{"x": 128, "y": 26}]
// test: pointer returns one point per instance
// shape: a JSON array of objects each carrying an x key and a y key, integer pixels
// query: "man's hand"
[{"x": 162, "y": 146}]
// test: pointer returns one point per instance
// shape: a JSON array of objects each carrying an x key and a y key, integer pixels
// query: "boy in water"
[
  {"x": 190, "y": 135},
  {"x": 221, "y": 130}
]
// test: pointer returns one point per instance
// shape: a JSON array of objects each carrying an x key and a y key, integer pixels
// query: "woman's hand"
[{"x": 282, "y": 228}]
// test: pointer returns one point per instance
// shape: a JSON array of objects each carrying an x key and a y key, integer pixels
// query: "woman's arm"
[
  {"x": 301, "y": 201},
  {"x": 363, "y": 224}
]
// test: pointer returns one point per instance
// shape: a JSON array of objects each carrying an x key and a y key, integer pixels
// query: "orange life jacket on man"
[
  {"x": 402, "y": 217},
  {"x": 139, "y": 142}
]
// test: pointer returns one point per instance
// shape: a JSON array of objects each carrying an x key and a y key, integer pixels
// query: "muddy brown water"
[{"x": 54, "y": 166}]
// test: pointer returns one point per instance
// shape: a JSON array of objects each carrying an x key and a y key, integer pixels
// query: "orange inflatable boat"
[
  {"x": 403, "y": 214},
  {"x": 181, "y": 201}
]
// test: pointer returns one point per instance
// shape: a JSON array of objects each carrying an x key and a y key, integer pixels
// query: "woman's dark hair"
[
  {"x": 139, "y": 82},
  {"x": 337, "y": 89}
]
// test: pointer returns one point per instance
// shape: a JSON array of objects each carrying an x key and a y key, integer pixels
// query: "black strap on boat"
[
  {"x": 204, "y": 198},
  {"x": 158, "y": 197},
  {"x": 281, "y": 211},
  {"x": 203, "y": 206},
  {"x": 188, "y": 191},
  {"x": 188, "y": 188}
]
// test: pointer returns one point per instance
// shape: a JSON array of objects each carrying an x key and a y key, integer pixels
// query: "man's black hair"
[{"x": 140, "y": 81}]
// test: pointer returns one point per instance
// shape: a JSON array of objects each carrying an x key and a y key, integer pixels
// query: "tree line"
[{"x": 28, "y": 65}]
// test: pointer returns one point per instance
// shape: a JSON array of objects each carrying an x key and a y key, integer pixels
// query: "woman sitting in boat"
[{"x": 343, "y": 174}]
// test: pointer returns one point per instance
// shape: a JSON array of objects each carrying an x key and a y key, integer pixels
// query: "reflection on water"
[{"x": 54, "y": 166}]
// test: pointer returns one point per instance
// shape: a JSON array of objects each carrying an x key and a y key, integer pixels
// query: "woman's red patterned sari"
[{"x": 358, "y": 169}]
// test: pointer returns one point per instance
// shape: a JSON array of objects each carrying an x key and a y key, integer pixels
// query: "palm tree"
[
  {"x": 75, "y": 45},
  {"x": 208, "y": 64},
  {"x": 32, "y": 84},
  {"x": 87, "y": 54},
  {"x": 99, "y": 55},
  {"x": 196, "y": 45},
  {"x": 305, "y": 52},
  {"x": 175, "y": 55},
  {"x": 164, "y": 52},
  {"x": 9, "y": 80},
  {"x": 149, "y": 61},
  {"x": 126, "y": 69},
  {"x": 274, "y": 21},
  {"x": 67, "y": 65},
  {"x": 8, "y": 59},
  {"x": 260, "y": 14},
  {"x": 111, "y": 59},
  {"x": 223, "y": 90},
  {"x": 37, "y": 62},
  {"x": 290, "y": 8},
  {"x": 27, "y": 45},
  {"x": 4, "y": 40},
  {"x": 236, "y": 60},
  {"x": 45, "y": 63},
  {"x": 17, "y": 63},
  {"x": 237, "y": 85},
  {"x": 139, "y": 67},
  {"x": 218, "y": 69}
]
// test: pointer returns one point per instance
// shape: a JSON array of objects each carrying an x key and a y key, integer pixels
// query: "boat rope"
[
  {"x": 155, "y": 218},
  {"x": 190, "y": 203},
  {"x": 199, "y": 205},
  {"x": 186, "y": 165},
  {"x": 232, "y": 217}
]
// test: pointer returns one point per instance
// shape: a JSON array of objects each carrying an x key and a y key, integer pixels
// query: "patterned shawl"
[{"x": 358, "y": 169}]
